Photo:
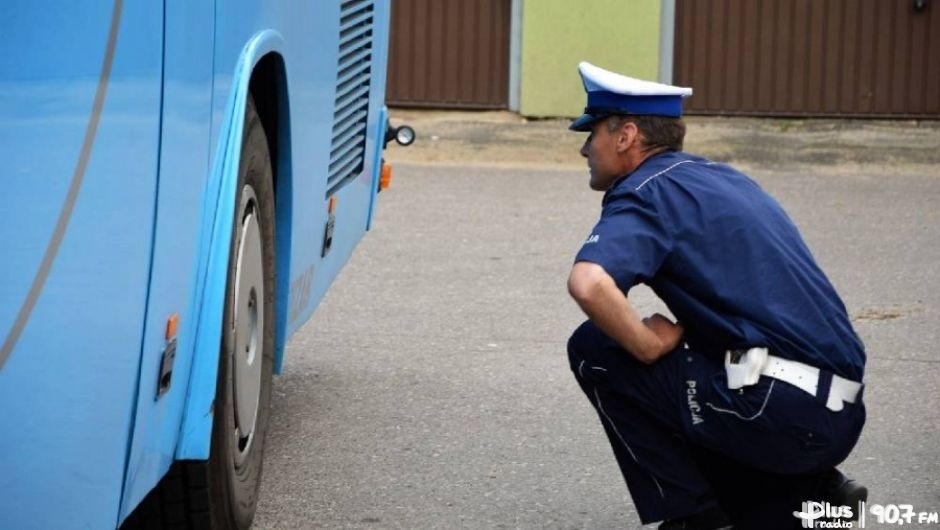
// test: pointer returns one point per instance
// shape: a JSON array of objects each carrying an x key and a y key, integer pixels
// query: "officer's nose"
[{"x": 584, "y": 147}]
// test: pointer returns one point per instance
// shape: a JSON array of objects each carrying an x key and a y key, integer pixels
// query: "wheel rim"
[{"x": 247, "y": 332}]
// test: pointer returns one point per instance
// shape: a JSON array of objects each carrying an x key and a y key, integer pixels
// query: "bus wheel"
[
  {"x": 222, "y": 493},
  {"x": 243, "y": 391}
]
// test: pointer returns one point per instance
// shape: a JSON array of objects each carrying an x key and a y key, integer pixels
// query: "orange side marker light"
[
  {"x": 385, "y": 180},
  {"x": 171, "y": 326}
]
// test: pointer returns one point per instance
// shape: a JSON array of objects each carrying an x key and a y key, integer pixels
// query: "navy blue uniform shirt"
[{"x": 727, "y": 261}]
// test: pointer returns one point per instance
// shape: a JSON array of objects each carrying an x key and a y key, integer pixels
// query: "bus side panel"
[
  {"x": 184, "y": 166},
  {"x": 69, "y": 377},
  {"x": 353, "y": 201}
]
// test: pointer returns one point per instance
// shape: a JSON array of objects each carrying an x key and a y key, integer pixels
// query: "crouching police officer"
[{"x": 763, "y": 368}]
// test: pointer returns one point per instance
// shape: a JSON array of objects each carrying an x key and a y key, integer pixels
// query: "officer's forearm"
[{"x": 597, "y": 294}]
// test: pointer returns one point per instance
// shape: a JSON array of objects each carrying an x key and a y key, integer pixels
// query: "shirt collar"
[{"x": 647, "y": 167}]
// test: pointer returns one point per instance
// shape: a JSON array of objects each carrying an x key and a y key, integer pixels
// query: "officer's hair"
[{"x": 659, "y": 132}]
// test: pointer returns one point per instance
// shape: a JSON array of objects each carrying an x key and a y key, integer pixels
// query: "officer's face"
[{"x": 600, "y": 149}]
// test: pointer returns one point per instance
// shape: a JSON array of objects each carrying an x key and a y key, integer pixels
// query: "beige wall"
[{"x": 620, "y": 35}]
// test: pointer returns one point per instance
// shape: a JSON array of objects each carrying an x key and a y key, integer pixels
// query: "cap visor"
[{"x": 584, "y": 123}]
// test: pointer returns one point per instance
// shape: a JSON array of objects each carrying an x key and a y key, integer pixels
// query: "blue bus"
[{"x": 182, "y": 180}]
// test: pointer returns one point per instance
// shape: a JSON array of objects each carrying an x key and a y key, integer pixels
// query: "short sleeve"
[{"x": 630, "y": 241}]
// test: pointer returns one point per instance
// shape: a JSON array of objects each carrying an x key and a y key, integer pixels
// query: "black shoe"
[
  {"x": 711, "y": 519},
  {"x": 840, "y": 490}
]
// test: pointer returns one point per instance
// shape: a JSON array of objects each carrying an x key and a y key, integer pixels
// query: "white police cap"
[{"x": 610, "y": 93}]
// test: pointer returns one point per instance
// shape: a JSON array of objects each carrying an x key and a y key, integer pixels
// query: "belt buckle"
[{"x": 744, "y": 367}]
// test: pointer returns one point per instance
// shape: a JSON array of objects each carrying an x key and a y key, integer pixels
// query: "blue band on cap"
[{"x": 648, "y": 105}]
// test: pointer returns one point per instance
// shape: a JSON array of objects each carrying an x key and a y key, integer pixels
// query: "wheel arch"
[
  {"x": 268, "y": 88},
  {"x": 259, "y": 59}
]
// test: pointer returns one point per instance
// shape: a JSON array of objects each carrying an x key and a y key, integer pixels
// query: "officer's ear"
[{"x": 628, "y": 134}]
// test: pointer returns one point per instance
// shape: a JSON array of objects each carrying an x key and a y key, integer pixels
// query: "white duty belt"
[{"x": 757, "y": 362}]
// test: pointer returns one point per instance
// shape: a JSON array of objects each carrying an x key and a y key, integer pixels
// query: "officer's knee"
[
  {"x": 584, "y": 339},
  {"x": 575, "y": 342}
]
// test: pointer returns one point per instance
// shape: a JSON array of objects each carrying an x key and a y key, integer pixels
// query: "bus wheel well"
[{"x": 267, "y": 87}]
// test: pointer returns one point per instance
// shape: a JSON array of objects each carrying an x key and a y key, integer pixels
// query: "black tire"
[
  {"x": 235, "y": 461},
  {"x": 222, "y": 493}
]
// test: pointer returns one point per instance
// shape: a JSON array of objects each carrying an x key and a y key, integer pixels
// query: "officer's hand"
[{"x": 669, "y": 332}]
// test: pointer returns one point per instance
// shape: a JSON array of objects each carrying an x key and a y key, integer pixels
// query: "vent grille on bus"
[{"x": 352, "y": 93}]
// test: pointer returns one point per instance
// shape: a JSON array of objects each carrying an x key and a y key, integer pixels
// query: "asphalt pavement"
[{"x": 431, "y": 389}]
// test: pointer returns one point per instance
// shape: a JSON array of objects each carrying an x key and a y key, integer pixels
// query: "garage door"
[
  {"x": 449, "y": 53},
  {"x": 810, "y": 57}
]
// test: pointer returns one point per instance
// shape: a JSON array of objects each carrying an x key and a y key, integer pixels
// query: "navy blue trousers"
[{"x": 685, "y": 442}]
